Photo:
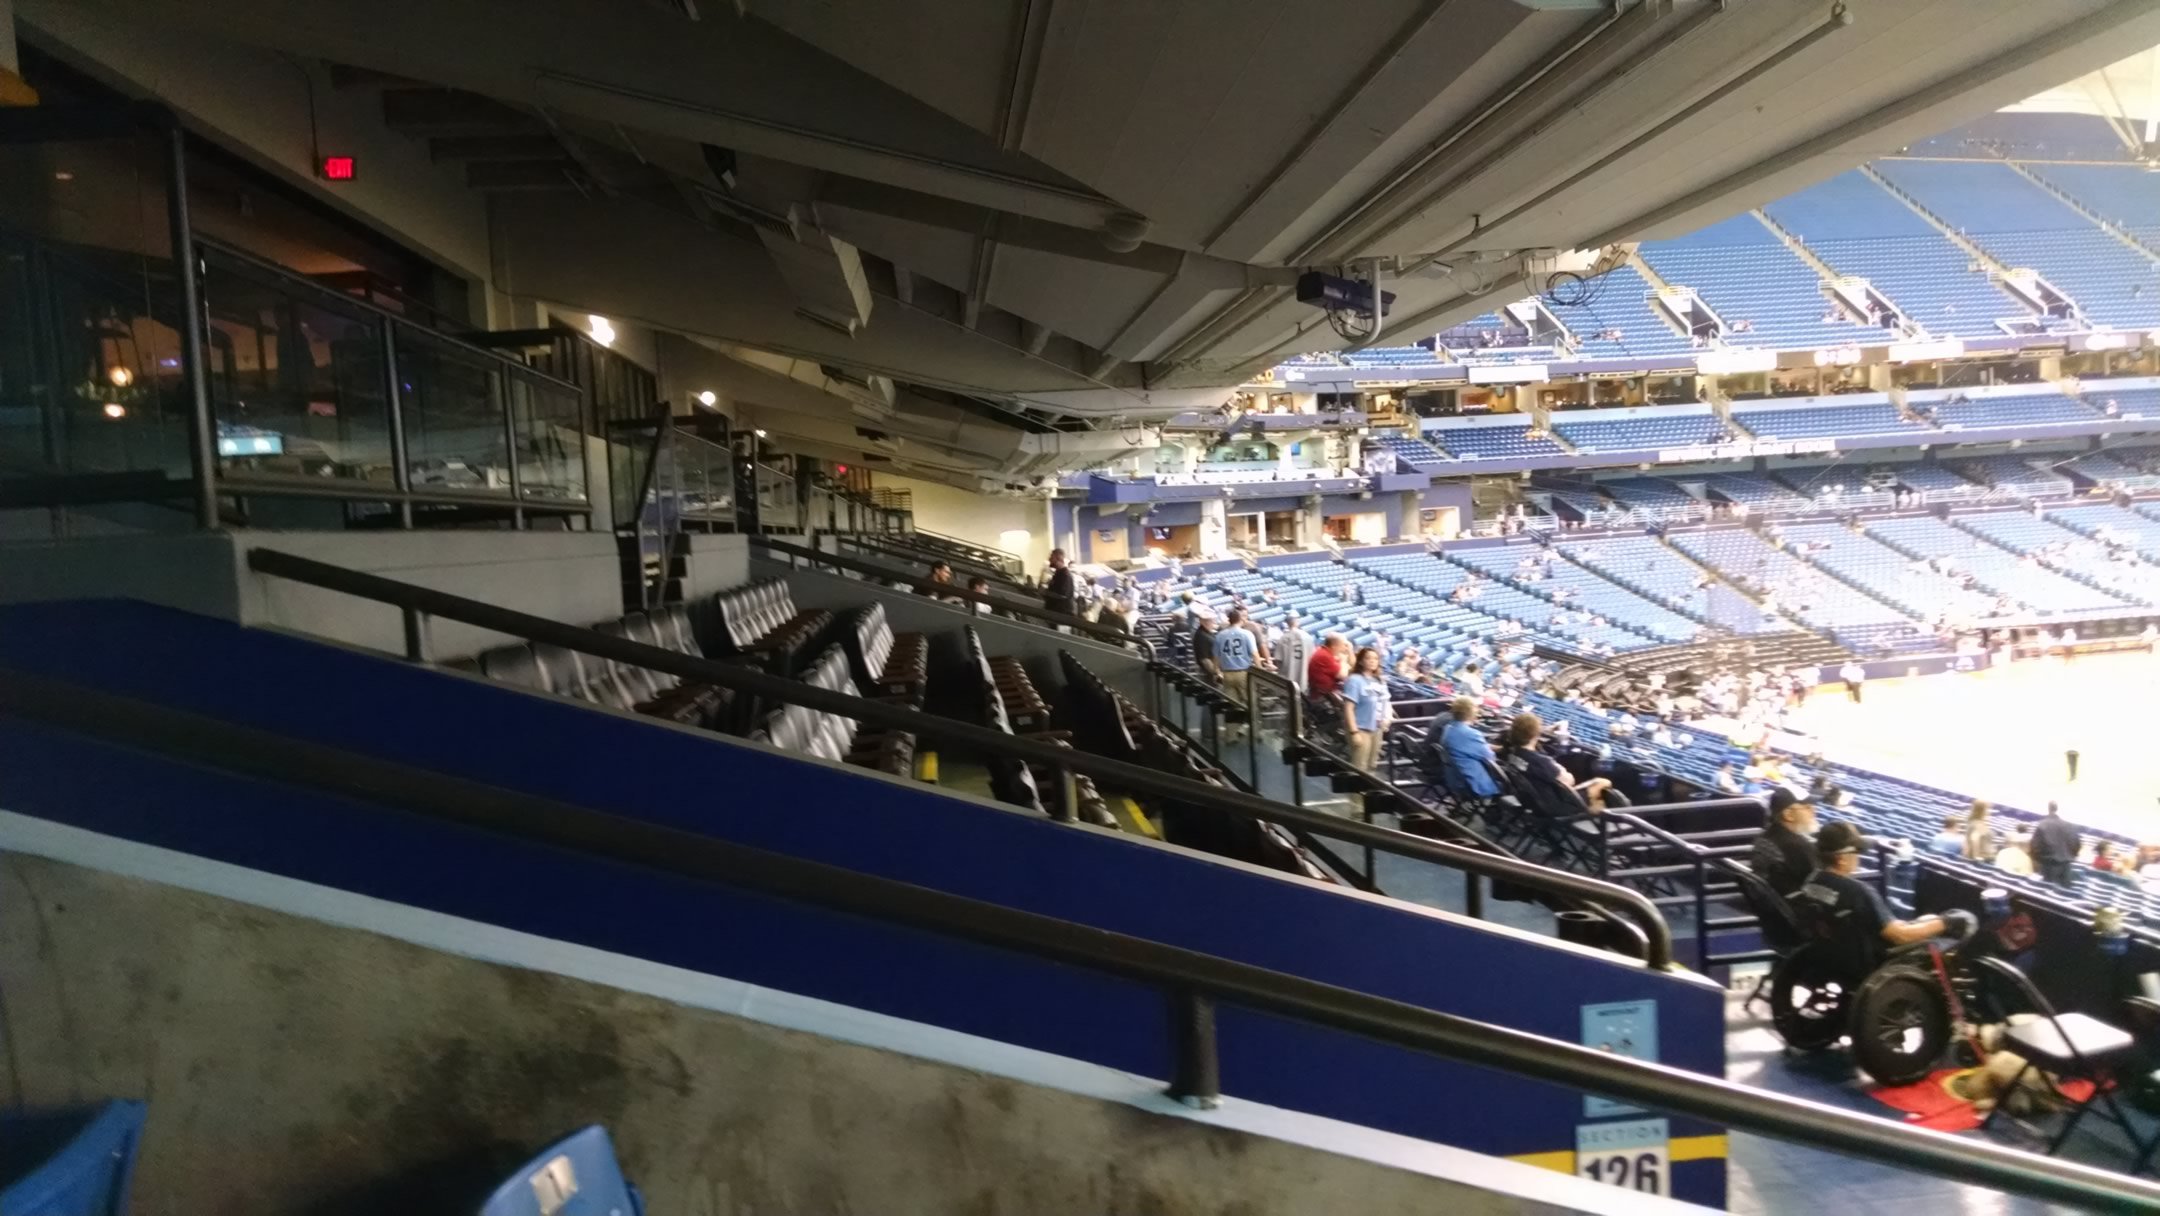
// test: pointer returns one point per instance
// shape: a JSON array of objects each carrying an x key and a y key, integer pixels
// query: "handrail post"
[
  {"x": 510, "y": 450},
  {"x": 1702, "y": 917},
  {"x": 1067, "y": 809},
  {"x": 418, "y": 644},
  {"x": 202, "y": 425},
  {"x": 400, "y": 456},
  {"x": 1196, "y": 1066}
]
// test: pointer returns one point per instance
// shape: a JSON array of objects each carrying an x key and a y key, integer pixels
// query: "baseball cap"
[
  {"x": 1839, "y": 838},
  {"x": 1783, "y": 797}
]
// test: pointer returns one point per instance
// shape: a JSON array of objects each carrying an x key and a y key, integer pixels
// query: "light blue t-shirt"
[
  {"x": 1368, "y": 696},
  {"x": 1233, "y": 648},
  {"x": 1465, "y": 749}
]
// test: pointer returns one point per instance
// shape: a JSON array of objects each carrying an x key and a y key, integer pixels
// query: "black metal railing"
[
  {"x": 1193, "y": 982},
  {"x": 418, "y": 604},
  {"x": 1024, "y": 610}
]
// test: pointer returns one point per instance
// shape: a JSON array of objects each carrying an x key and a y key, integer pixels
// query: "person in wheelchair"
[{"x": 1851, "y": 915}]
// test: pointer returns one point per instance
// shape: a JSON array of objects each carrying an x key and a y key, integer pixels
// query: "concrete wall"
[
  {"x": 294, "y": 1065},
  {"x": 566, "y": 576},
  {"x": 981, "y": 518},
  {"x": 717, "y": 563}
]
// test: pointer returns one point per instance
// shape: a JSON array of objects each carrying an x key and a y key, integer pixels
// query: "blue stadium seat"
[
  {"x": 1501, "y": 442},
  {"x": 1768, "y": 421},
  {"x": 2023, "y": 225},
  {"x": 1764, "y": 293},
  {"x": 576, "y": 1176},
  {"x": 1591, "y": 434},
  {"x": 69, "y": 1163},
  {"x": 1861, "y": 229}
]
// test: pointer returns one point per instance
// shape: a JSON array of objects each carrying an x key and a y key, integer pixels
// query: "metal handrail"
[
  {"x": 1018, "y": 608},
  {"x": 1193, "y": 979},
  {"x": 420, "y": 602}
]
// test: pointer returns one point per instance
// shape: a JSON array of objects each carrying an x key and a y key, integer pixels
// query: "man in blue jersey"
[{"x": 1235, "y": 652}]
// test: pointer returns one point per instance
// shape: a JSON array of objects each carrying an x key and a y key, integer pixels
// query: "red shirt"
[{"x": 1323, "y": 674}]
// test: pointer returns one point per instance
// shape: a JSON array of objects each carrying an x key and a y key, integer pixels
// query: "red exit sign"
[{"x": 339, "y": 168}]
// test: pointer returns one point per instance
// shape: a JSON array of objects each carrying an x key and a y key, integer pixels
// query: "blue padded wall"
[{"x": 703, "y": 783}]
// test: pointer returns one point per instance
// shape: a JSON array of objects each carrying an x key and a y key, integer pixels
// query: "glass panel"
[
  {"x": 90, "y": 380},
  {"x": 296, "y": 381},
  {"x": 551, "y": 440},
  {"x": 453, "y": 401},
  {"x": 700, "y": 475}
]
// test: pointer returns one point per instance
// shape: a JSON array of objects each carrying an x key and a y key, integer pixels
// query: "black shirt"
[
  {"x": 1058, "y": 592},
  {"x": 1555, "y": 788},
  {"x": 2055, "y": 842},
  {"x": 1847, "y": 912},
  {"x": 1783, "y": 858}
]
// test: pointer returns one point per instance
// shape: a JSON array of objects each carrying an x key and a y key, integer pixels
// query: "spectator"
[
  {"x": 1784, "y": 854},
  {"x": 2055, "y": 844},
  {"x": 1293, "y": 654},
  {"x": 1980, "y": 842},
  {"x": 980, "y": 586},
  {"x": 1324, "y": 674},
  {"x": 1471, "y": 679},
  {"x": 1950, "y": 842},
  {"x": 1519, "y": 752},
  {"x": 939, "y": 584},
  {"x": 1853, "y": 913},
  {"x": 1466, "y": 751},
  {"x": 1854, "y": 676},
  {"x": 1203, "y": 648},
  {"x": 1235, "y": 653},
  {"x": 1058, "y": 592},
  {"x": 2015, "y": 857},
  {"x": 2107, "y": 860},
  {"x": 1365, "y": 709}
]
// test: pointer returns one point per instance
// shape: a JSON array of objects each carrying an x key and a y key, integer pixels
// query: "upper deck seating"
[
  {"x": 1762, "y": 291},
  {"x": 1497, "y": 442},
  {"x": 1859, "y": 228},
  {"x": 1655, "y": 431},
  {"x": 1822, "y": 421},
  {"x": 2023, "y": 225}
]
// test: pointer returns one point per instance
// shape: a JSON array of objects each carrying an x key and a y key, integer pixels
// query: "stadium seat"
[
  {"x": 576, "y": 1176},
  {"x": 69, "y": 1162}
]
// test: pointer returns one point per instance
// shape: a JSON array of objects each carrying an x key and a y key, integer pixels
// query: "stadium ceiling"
[{"x": 1097, "y": 207}]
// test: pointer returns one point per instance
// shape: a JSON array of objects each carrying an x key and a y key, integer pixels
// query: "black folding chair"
[
  {"x": 1782, "y": 932},
  {"x": 2068, "y": 1047}
]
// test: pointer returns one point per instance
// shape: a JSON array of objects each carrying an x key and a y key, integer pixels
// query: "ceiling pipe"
[
  {"x": 1606, "y": 38},
  {"x": 1840, "y": 18}
]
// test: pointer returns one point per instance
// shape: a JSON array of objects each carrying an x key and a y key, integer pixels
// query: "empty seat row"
[
  {"x": 586, "y": 677},
  {"x": 886, "y": 661},
  {"x": 760, "y": 619},
  {"x": 1011, "y": 704},
  {"x": 1108, "y": 723},
  {"x": 830, "y": 736}
]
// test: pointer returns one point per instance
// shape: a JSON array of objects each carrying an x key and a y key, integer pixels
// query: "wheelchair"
[{"x": 1899, "y": 1016}]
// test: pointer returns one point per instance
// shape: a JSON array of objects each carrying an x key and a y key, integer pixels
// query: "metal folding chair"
[{"x": 2068, "y": 1046}]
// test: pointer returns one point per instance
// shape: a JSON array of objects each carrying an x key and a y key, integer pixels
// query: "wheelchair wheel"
[
  {"x": 1807, "y": 1001},
  {"x": 1900, "y": 1025}
]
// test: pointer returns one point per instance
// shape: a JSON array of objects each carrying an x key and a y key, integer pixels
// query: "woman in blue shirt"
[{"x": 1365, "y": 708}]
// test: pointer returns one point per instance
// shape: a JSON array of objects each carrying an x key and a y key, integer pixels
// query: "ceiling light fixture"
[{"x": 602, "y": 330}]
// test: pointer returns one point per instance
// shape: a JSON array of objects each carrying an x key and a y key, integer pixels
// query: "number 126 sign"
[{"x": 1634, "y": 1154}]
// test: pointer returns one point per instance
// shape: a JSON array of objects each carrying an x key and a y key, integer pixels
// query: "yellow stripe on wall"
[{"x": 1686, "y": 1148}]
